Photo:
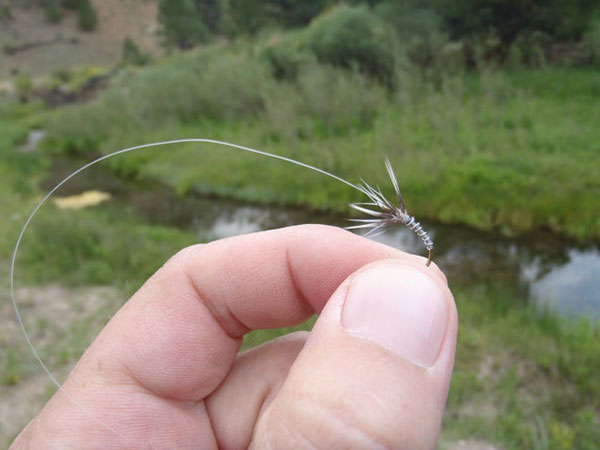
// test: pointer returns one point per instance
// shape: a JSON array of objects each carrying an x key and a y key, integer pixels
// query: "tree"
[
  {"x": 248, "y": 16},
  {"x": 354, "y": 37},
  {"x": 183, "y": 26},
  {"x": 86, "y": 15},
  {"x": 559, "y": 19},
  {"x": 251, "y": 15},
  {"x": 211, "y": 12},
  {"x": 295, "y": 13}
]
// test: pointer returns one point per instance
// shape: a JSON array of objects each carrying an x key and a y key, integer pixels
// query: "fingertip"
[{"x": 400, "y": 308}]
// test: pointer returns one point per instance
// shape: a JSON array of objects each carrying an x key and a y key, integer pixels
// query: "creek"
[{"x": 553, "y": 273}]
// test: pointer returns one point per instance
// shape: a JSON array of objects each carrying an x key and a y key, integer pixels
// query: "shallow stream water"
[{"x": 553, "y": 273}]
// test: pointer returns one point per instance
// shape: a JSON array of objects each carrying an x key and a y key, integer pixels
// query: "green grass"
[
  {"x": 106, "y": 245},
  {"x": 512, "y": 151},
  {"x": 504, "y": 150},
  {"x": 110, "y": 243},
  {"x": 20, "y": 172},
  {"x": 12, "y": 370},
  {"x": 521, "y": 376},
  {"x": 521, "y": 379}
]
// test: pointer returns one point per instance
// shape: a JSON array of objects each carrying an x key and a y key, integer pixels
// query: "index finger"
[{"x": 178, "y": 335}]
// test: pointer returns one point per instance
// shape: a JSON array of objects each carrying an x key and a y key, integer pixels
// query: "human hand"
[{"x": 165, "y": 373}]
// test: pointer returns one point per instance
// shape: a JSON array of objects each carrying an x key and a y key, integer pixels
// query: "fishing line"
[{"x": 386, "y": 214}]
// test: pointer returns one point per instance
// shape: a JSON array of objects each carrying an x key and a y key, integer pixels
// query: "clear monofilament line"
[
  {"x": 373, "y": 194},
  {"x": 81, "y": 169}
]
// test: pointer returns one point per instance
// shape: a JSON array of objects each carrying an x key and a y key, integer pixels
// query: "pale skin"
[{"x": 165, "y": 372}]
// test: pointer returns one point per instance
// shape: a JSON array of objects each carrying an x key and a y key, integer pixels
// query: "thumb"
[{"x": 376, "y": 368}]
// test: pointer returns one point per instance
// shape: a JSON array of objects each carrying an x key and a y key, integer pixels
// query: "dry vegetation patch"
[
  {"x": 30, "y": 44},
  {"x": 61, "y": 322}
]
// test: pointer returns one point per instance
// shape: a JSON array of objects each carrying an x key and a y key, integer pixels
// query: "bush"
[
  {"x": 86, "y": 15},
  {"x": 211, "y": 12},
  {"x": 53, "y": 12},
  {"x": 5, "y": 13},
  {"x": 296, "y": 13},
  {"x": 197, "y": 86},
  {"x": 286, "y": 56},
  {"x": 591, "y": 44},
  {"x": 337, "y": 101},
  {"x": 182, "y": 23},
  {"x": 23, "y": 87},
  {"x": 354, "y": 37},
  {"x": 324, "y": 101},
  {"x": 132, "y": 55},
  {"x": 70, "y": 4},
  {"x": 529, "y": 48},
  {"x": 248, "y": 16},
  {"x": 558, "y": 19},
  {"x": 421, "y": 31},
  {"x": 226, "y": 86}
]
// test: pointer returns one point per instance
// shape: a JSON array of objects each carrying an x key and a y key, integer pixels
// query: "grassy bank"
[
  {"x": 506, "y": 149},
  {"x": 521, "y": 380},
  {"x": 509, "y": 150},
  {"x": 107, "y": 245},
  {"x": 512, "y": 150}
]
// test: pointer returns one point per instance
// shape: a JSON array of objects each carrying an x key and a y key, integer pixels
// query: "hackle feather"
[{"x": 383, "y": 213}]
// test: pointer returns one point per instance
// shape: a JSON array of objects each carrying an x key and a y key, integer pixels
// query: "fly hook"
[{"x": 383, "y": 213}]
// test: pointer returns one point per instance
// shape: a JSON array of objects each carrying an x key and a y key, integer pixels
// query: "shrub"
[
  {"x": 295, "y": 13},
  {"x": 509, "y": 18},
  {"x": 421, "y": 31},
  {"x": 591, "y": 44},
  {"x": 182, "y": 23},
  {"x": 70, "y": 4},
  {"x": 86, "y": 15},
  {"x": 286, "y": 56},
  {"x": 5, "y": 13},
  {"x": 23, "y": 87},
  {"x": 529, "y": 48},
  {"x": 337, "y": 100},
  {"x": 132, "y": 55},
  {"x": 53, "y": 12},
  {"x": 9, "y": 49},
  {"x": 211, "y": 12},
  {"x": 354, "y": 37},
  {"x": 203, "y": 85},
  {"x": 248, "y": 16}
]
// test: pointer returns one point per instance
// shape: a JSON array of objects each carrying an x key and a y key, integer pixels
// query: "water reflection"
[
  {"x": 553, "y": 273},
  {"x": 546, "y": 270},
  {"x": 573, "y": 287}
]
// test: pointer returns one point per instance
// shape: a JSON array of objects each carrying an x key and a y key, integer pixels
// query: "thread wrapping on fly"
[{"x": 383, "y": 213}]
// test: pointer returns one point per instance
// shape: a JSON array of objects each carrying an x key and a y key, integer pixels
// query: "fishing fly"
[
  {"x": 381, "y": 212},
  {"x": 386, "y": 213}
]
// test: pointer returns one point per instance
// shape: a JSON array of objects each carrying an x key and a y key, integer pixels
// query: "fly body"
[{"x": 383, "y": 213}]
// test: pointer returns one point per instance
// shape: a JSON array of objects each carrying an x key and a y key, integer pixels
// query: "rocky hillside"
[{"x": 30, "y": 44}]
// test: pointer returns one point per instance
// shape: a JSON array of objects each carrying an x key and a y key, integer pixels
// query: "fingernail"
[{"x": 399, "y": 308}]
